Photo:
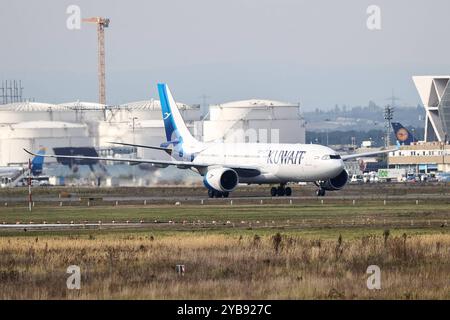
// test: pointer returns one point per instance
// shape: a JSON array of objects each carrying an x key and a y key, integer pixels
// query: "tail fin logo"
[
  {"x": 166, "y": 115},
  {"x": 402, "y": 135},
  {"x": 174, "y": 125},
  {"x": 38, "y": 162}
]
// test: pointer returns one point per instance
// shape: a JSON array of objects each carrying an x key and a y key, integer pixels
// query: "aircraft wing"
[
  {"x": 165, "y": 163},
  {"x": 365, "y": 154},
  {"x": 131, "y": 160}
]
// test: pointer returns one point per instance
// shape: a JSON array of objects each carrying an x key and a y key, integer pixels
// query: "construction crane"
[{"x": 101, "y": 23}]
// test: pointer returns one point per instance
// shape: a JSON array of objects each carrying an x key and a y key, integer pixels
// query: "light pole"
[
  {"x": 134, "y": 150},
  {"x": 30, "y": 196},
  {"x": 133, "y": 120},
  {"x": 388, "y": 116}
]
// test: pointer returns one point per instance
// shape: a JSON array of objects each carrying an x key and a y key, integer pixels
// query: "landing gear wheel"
[
  {"x": 273, "y": 192},
  {"x": 217, "y": 194},
  {"x": 211, "y": 193},
  {"x": 225, "y": 194},
  {"x": 281, "y": 191},
  {"x": 288, "y": 191},
  {"x": 320, "y": 192}
]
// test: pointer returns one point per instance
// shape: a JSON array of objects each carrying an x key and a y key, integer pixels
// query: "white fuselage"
[{"x": 278, "y": 163}]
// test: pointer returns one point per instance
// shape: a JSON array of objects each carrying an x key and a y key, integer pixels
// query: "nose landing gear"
[
  {"x": 281, "y": 191},
  {"x": 217, "y": 194}
]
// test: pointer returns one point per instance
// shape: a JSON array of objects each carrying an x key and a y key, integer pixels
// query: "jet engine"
[
  {"x": 221, "y": 179},
  {"x": 335, "y": 183}
]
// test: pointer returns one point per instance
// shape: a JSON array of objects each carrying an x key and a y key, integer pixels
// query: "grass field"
[
  {"x": 245, "y": 266},
  {"x": 311, "y": 251}
]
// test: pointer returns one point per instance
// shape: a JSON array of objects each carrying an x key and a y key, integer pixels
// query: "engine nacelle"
[
  {"x": 337, "y": 182},
  {"x": 221, "y": 179}
]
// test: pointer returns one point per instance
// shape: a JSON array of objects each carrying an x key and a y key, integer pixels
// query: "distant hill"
[{"x": 359, "y": 118}]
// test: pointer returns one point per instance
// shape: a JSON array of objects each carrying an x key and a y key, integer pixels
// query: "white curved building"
[
  {"x": 434, "y": 91},
  {"x": 255, "y": 121},
  {"x": 32, "y": 135}
]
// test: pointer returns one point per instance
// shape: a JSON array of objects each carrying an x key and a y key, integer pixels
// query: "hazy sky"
[{"x": 319, "y": 53}]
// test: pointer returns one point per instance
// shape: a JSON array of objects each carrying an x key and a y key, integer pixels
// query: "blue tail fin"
[
  {"x": 176, "y": 130},
  {"x": 37, "y": 163},
  {"x": 403, "y": 136}
]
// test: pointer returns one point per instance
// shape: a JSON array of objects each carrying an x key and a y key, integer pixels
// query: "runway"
[
  {"x": 161, "y": 200},
  {"x": 187, "y": 208}
]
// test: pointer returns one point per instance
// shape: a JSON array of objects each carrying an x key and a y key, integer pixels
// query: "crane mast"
[{"x": 101, "y": 23}]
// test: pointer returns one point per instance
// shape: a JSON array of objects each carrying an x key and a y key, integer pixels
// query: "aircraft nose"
[{"x": 337, "y": 166}]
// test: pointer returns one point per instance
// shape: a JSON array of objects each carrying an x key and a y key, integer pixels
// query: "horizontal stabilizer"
[
  {"x": 130, "y": 160},
  {"x": 141, "y": 146}
]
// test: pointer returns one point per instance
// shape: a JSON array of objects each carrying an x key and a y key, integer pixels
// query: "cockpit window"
[{"x": 331, "y": 156}]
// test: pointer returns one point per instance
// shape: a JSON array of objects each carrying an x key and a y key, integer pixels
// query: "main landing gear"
[
  {"x": 217, "y": 194},
  {"x": 282, "y": 190},
  {"x": 320, "y": 192}
]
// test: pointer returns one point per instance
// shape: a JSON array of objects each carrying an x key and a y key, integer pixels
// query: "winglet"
[{"x": 29, "y": 152}]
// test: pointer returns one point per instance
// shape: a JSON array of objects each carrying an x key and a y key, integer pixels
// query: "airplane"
[
  {"x": 38, "y": 162},
  {"x": 8, "y": 173},
  {"x": 402, "y": 134},
  {"x": 225, "y": 165}
]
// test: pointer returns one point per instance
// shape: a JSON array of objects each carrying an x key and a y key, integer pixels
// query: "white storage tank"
[
  {"x": 85, "y": 111},
  {"x": 146, "y": 132},
  {"x": 151, "y": 110},
  {"x": 33, "y": 135},
  {"x": 79, "y": 112},
  {"x": 32, "y": 111},
  {"x": 255, "y": 121},
  {"x": 141, "y": 123}
]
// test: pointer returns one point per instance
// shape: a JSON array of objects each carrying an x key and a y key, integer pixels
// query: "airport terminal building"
[
  {"x": 425, "y": 157},
  {"x": 432, "y": 154}
]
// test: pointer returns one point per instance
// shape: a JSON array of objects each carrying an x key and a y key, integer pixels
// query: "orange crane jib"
[{"x": 98, "y": 20}]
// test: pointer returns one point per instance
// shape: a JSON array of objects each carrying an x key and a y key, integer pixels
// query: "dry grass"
[{"x": 225, "y": 267}]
